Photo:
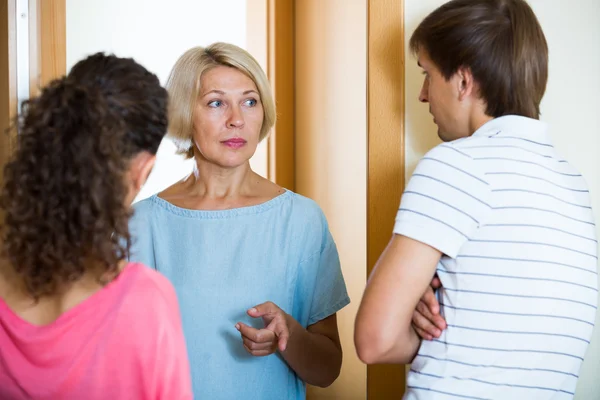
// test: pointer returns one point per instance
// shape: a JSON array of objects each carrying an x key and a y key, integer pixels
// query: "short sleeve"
[
  {"x": 445, "y": 201},
  {"x": 142, "y": 247},
  {"x": 329, "y": 294}
]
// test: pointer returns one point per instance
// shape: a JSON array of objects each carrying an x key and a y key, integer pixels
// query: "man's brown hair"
[{"x": 500, "y": 41}]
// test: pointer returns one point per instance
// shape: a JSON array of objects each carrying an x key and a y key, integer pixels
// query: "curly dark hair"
[{"x": 64, "y": 188}]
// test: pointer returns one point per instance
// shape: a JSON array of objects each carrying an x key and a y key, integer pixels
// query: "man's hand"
[{"x": 426, "y": 320}]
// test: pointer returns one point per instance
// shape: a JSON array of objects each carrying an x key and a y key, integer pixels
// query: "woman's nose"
[{"x": 236, "y": 119}]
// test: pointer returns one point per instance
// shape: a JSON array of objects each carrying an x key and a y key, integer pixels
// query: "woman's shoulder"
[
  {"x": 311, "y": 230},
  {"x": 149, "y": 286},
  {"x": 152, "y": 204},
  {"x": 306, "y": 208},
  {"x": 143, "y": 212},
  {"x": 144, "y": 207}
]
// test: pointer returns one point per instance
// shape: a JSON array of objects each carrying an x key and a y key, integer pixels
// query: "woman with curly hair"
[{"x": 76, "y": 320}]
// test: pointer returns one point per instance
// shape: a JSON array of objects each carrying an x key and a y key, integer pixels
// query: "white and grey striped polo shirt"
[{"x": 519, "y": 272}]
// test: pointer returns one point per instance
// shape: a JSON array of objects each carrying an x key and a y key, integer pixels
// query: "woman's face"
[{"x": 228, "y": 117}]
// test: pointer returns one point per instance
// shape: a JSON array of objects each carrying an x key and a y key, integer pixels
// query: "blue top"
[{"x": 224, "y": 262}]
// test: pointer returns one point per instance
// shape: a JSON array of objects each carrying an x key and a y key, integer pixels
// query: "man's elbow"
[
  {"x": 368, "y": 354},
  {"x": 374, "y": 347},
  {"x": 371, "y": 346}
]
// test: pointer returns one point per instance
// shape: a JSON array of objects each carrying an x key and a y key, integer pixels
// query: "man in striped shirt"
[{"x": 496, "y": 213}]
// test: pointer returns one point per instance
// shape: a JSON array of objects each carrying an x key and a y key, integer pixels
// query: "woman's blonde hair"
[{"x": 184, "y": 88}]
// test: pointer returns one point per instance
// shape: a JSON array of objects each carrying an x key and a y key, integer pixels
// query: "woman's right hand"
[{"x": 426, "y": 320}]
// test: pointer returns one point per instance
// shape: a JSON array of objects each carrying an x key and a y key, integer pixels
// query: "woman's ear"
[{"x": 140, "y": 167}]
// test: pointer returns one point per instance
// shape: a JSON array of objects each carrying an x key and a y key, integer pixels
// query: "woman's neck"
[
  {"x": 212, "y": 181},
  {"x": 211, "y": 187}
]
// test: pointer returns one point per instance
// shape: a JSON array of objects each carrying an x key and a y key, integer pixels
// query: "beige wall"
[
  {"x": 331, "y": 149},
  {"x": 571, "y": 107}
]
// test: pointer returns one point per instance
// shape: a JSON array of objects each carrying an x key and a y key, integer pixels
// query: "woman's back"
[
  {"x": 116, "y": 344},
  {"x": 76, "y": 321}
]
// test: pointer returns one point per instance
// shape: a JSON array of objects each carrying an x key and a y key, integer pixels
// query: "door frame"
[
  {"x": 47, "y": 59},
  {"x": 386, "y": 155},
  {"x": 8, "y": 80}
]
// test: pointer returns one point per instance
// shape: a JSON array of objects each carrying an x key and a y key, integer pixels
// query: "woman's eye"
[
  {"x": 251, "y": 102},
  {"x": 215, "y": 103}
]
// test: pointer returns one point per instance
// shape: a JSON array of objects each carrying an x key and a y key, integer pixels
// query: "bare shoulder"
[
  {"x": 182, "y": 194},
  {"x": 175, "y": 191},
  {"x": 267, "y": 189}
]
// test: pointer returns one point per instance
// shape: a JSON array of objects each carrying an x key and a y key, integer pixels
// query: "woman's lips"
[{"x": 234, "y": 143}]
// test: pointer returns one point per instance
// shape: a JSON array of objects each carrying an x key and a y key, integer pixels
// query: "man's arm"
[{"x": 383, "y": 331}]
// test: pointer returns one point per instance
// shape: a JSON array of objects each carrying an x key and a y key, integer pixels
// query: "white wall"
[
  {"x": 571, "y": 107},
  {"x": 155, "y": 33},
  {"x": 331, "y": 157}
]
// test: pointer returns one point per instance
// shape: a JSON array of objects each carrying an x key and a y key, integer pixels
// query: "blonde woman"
[{"x": 254, "y": 265}]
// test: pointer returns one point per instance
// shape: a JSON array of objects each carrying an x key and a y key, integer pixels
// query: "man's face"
[{"x": 444, "y": 100}]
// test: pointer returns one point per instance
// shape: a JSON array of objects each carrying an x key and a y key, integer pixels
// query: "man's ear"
[
  {"x": 141, "y": 166},
  {"x": 466, "y": 83}
]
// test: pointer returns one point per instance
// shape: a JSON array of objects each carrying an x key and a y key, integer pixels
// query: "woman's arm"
[{"x": 315, "y": 353}]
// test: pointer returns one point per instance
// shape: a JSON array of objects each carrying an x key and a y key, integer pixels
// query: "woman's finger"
[
  {"x": 258, "y": 353},
  {"x": 258, "y": 346}
]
